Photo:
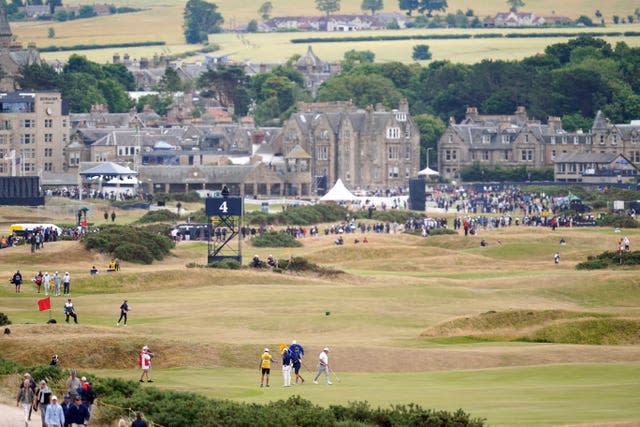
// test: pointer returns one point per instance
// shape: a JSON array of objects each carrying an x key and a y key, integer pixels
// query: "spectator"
[
  {"x": 26, "y": 398},
  {"x": 17, "y": 280},
  {"x": 78, "y": 413},
  {"x": 73, "y": 382},
  {"x": 55, "y": 414},
  {"x": 255, "y": 262},
  {"x": 139, "y": 422},
  {"x": 43, "y": 398},
  {"x": 70, "y": 311},
  {"x": 38, "y": 280},
  {"x": 54, "y": 360}
]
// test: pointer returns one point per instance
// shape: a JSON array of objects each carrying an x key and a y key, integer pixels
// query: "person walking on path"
[
  {"x": 70, "y": 311},
  {"x": 297, "y": 352},
  {"x": 287, "y": 362},
  {"x": 323, "y": 366},
  {"x": 56, "y": 284},
  {"x": 66, "y": 283},
  {"x": 17, "y": 280},
  {"x": 55, "y": 414},
  {"x": 43, "y": 399},
  {"x": 265, "y": 368},
  {"x": 124, "y": 309},
  {"x": 78, "y": 413},
  {"x": 139, "y": 422},
  {"x": 145, "y": 364},
  {"x": 25, "y": 398}
]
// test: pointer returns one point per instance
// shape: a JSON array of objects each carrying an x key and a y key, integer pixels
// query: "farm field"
[
  {"x": 436, "y": 321},
  {"x": 163, "y": 22}
]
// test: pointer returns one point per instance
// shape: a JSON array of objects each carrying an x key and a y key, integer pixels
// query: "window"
[
  {"x": 447, "y": 154},
  {"x": 407, "y": 152},
  {"x": 64, "y": 138},
  {"x": 553, "y": 139},
  {"x": 564, "y": 139},
  {"x": 64, "y": 123},
  {"x": 324, "y": 134},
  {"x": 322, "y": 152},
  {"x": 450, "y": 139},
  {"x": 407, "y": 172},
  {"x": 614, "y": 139},
  {"x": 473, "y": 155},
  {"x": 506, "y": 139},
  {"x": 486, "y": 139},
  {"x": 28, "y": 153},
  {"x": 485, "y": 155},
  {"x": 407, "y": 133},
  {"x": 48, "y": 167},
  {"x": 48, "y": 137},
  {"x": 526, "y": 155},
  {"x": 27, "y": 138},
  {"x": 635, "y": 156},
  {"x": 48, "y": 152},
  {"x": 634, "y": 139},
  {"x": 526, "y": 138},
  {"x": 454, "y": 154},
  {"x": 4, "y": 139},
  {"x": 28, "y": 123},
  {"x": 553, "y": 154},
  {"x": 401, "y": 117},
  {"x": 576, "y": 140},
  {"x": 28, "y": 167},
  {"x": 506, "y": 155},
  {"x": 393, "y": 172},
  {"x": 393, "y": 133},
  {"x": 601, "y": 139},
  {"x": 394, "y": 153},
  {"x": 48, "y": 123}
]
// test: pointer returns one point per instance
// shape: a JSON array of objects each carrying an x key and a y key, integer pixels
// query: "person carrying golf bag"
[
  {"x": 297, "y": 352},
  {"x": 323, "y": 366}
]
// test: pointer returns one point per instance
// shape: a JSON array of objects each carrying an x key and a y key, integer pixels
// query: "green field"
[
  {"x": 163, "y": 22},
  {"x": 440, "y": 321}
]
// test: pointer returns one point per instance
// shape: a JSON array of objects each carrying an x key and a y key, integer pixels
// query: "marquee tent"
[
  {"x": 428, "y": 172},
  {"x": 338, "y": 193}
]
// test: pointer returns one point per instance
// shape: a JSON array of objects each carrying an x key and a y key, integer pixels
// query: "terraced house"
[
  {"x": 368, "y": 148},
  {"x": 515, "y": 140}
]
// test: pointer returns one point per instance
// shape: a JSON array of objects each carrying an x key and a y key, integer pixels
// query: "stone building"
[
  {"x": 34, "y": 131},
  {"x": 12, "y": 55},
  {"x": 367, "y": 148},
  {"x": 515, "y": 140}
]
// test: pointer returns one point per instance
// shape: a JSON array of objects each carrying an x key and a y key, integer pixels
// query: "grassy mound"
[{"x": 551, "y": 326}]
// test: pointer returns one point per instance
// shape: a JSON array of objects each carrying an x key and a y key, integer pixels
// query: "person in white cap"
[
  {"x": 54, "y": 416},
  {"x": 265, "y": 368},
  {"x": 323, "y": 366},
  {"x": 145, "y": 364}
]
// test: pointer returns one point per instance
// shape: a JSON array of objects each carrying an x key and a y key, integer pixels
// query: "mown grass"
[{"x": 523, "y": 396}]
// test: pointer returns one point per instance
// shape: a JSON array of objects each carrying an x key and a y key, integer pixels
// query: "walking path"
[{"x": 11, "y": 416}]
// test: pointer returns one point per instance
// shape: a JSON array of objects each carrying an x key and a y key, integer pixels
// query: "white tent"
[
  {"x": 338, "y": 193},
  {"x": 428, "y": 172}
]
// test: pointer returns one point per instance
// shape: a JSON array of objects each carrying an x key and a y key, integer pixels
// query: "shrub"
[
  {"x": 4, "y": 320},
  {"x": 300, "y": 215},
  {"x": 8, "y": 367},
  {"x": 621, "y": 221},
  {"x": 227, "y": 264},
  {"x": 591, "y": 265},
  {"x": 133, "y": 251},
  {"x": 158, "y": 216},
  {"x": 302, "y": 265},
  {"x": 275, "y": 240},
  {"x": 45, "y": 372},
  {"x": 129, "y": 243},
  {"x": 190, "y": 197}
]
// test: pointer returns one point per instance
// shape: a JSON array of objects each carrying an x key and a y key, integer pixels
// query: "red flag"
[{"x": 44, "y": 304}]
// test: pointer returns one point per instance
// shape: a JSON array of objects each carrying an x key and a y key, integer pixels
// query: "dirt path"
[{"x": 11, "y": 416}]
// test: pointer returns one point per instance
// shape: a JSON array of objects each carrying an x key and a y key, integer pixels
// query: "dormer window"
[
  {"x": 505, "y": 139},
  {"x": 401, "y": 117},
  {"x": 601, "y": 139},
  {"x": 576, "y": 140},
  {"x": 564, "y": 139},
  {"x": 485, "y": 139},
  {"x": 553, "y": 139}
]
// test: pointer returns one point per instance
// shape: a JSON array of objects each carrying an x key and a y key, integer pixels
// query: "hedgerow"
[
  {"x": 158, "y": 216},
  {"x": 100, "y": 46},
  {"x": 301, "y": 215}
]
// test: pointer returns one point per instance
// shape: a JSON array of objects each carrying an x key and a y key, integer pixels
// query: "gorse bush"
[
  {"x": 621, "y": 221},
  {"x": 302, "y": 215},
  {"x": 610, "y": 259},
  {"x": 4, "y": 319},
  {"x": 275, "y": 239},
  {"x": 163, "y": 215},
  {"x": 129, "y": 243},
  {"x": 227, "y": 264}
]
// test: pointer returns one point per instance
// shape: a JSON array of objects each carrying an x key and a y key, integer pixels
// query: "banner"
[{"x": 44, "y": 304}]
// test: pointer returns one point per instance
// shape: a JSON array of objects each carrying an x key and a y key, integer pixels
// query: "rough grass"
[{"x": 398, "y": 287}]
